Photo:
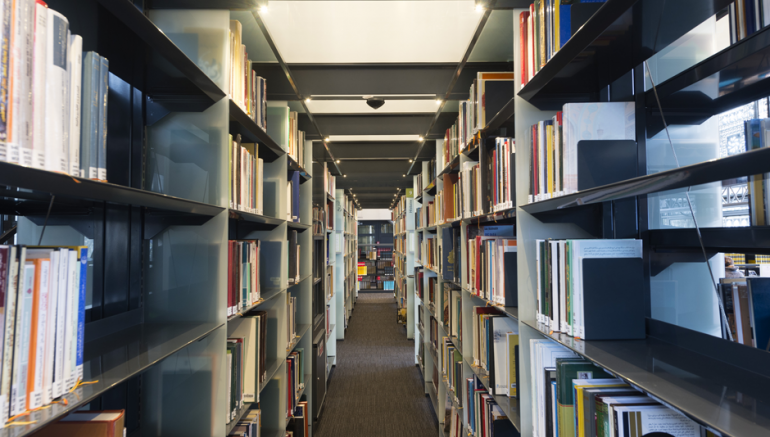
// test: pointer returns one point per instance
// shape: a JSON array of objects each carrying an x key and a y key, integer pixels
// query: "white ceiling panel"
[
  {"x": 341, "y": 32},
  {"x": 343, "y": 138},
  {"x": 360, "y": 107}
]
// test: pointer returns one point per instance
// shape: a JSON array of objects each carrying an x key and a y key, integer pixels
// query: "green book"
[{"x": 568, "y": 369}]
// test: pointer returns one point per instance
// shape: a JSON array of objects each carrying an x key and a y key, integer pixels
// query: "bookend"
[{"x": 614, "y": 305}]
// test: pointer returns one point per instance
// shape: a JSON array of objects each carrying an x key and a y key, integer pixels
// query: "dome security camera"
[{"x": 375, "y": 103}]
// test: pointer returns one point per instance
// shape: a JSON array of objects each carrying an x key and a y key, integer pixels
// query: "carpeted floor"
[{"x": 375, "y": 389}]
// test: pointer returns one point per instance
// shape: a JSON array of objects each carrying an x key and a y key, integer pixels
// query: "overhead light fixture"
[
  {"x": 479, "y": 8},
  {"x": 420, "y": 138},
  {"x": 263, "y": 9},
  {"x": 326, "y": 139},
  {"x": 403, "y": 175},
  {"x": 438, "y": 101},
  {"x": 307, "y": 100},
  {"x": 344, "y": 176},
  {"x": 338, "y": 161},
  {"x": 411, "y": 160}
]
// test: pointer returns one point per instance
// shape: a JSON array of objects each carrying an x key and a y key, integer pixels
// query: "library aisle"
[{"x": 375, "y": 389}]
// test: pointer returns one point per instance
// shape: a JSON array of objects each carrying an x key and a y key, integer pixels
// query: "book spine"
[
  {"x": 37, "y": 349},
  {"x": 23, "y": 327},
  {"x": 88, "y": 103},
  {"x": 104, "y": 78},
  {"x": 61, "y": 311},
  {"x": 19, "y": 110},
  {"x": 50, "y": 336},
  {"x": 6, "y": 9},
  {"x": 9, "y": 334},
  {"x": 76, "y": 70},
  {"x": 81, "y": 314},
  {"x": 35, "y": 157},
  {"x": 57, "y": 83}
]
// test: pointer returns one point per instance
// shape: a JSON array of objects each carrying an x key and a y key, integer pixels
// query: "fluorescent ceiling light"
[
  {"x": 343, "y": 138},
  {"x": 343, "y": 32},
  {"x": 360, "y": 107}
]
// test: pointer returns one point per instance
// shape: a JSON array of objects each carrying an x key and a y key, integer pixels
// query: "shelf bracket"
[
  {"x": 157, "y": 222},
  {"x": 660, "y": 261},
  {"x": 81, "y": 222}
]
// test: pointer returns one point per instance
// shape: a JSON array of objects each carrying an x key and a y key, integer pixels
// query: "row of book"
[
  {"x": 296, "y": 146},
  {"x": 53, "y": 108},
  {"x": 429, "y": 253},
  {"x": 452, "y": 367},
  {"x": 502, "y": 175},
  {"x": 246, "y": 171},
  {"x": 496, "y": 348},
  {"x": 746, "y": 302},
  {"x": 484, "y": 416},
  {"x": 545, "y": 28},
  {"x": 561, "y": 279},
  {"x": 43, "y": 293},
  {"x": 243, "y": 266},
  {"x": 295, "y": 375},
  {"x": 299, "y": 426},
  {"x": 746, "y": 18},
  {"x": 490, "y": 263},
  {"x": 555, "y": 144},
  {"x": 247, "y": 90},
  {"x": 471, "y": 199},
  {"x": 452, "y": 317},
  {"x": 330, "y": 183},
  {"x": 318, "y": 220},
  {"x": 249, "y": 426},
  {"x": 246, "y": 351},
  {"x": 572, "y": 396},
  {"x": 450, "y": 197}
]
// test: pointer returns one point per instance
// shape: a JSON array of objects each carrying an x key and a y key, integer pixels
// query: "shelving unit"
[
  {"x": 377, "y": 254},
  {"x": 403, "y": 257},
  {"x": 157, "y": 323}
]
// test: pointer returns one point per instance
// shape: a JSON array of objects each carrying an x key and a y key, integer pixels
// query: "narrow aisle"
[{"x": 376, "y": 390}]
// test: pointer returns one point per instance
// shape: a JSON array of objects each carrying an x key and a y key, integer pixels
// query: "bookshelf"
[
  {"x": 376, "y": 253},
  {"x": 403, "y": 257},
  {"x": 157, "y": 320}
]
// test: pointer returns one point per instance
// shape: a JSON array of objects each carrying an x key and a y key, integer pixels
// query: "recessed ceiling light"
[
  {"x": 403, "y": 175},
  {"x": 263, "y": 9},
  {"x": 411, "y": 160},
  {"x": 307, "y": 100},
  {"x": 420, "y": 138},
  {"x": 344, "y": 176},
  {"x": 327, "y": 139},
  {"x": 438, "y": 101},
  {"x": 338, "y": 161},
  {"x": 479, "y": 8}
]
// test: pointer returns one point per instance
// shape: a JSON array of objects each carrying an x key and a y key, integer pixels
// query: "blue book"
[
  {"x": 499, "y": 231},
  {"x": 81, "y": 312},
  {"x": 565, "y": 27},
  {"x": 295, "y": 196},
  {"x": 759, "y": 294},
  {"x": 89, "y": 119},
  {"x": 104, "y": 84},
  {"x": 447, "y": 256}
]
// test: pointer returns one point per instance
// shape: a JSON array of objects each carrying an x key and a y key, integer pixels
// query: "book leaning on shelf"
[
  {"x": 295, "y": 375},
  {"x": 573, "y": 396},
  {"x": 53, "y": 105},
  {"x": 44, "y": 298},
  {"x": 247, "y": 90},
  {"x": 246, "y": 177},
  {"x": 246, "y": 352}
]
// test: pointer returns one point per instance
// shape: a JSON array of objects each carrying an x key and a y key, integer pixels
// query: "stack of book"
[
  {"x": 554, "y": 143},
  {"x": 495, "y": 349},
  {"x": 250, "y": 425},
  {"x": 484, "y": 417},
  {"x": 317, "y": 221},
  {"x": 246, "y": 174},
  {"x": 747, "y": 307},
  {"x": 490, "y": 254},
  {"x": 430, "y": 253},
  {"x": 247, "y": 90},
  {"x": 300, "y": 424},
  {"x": 452, "y": 311},
  {"x": 561, "y": 278},
  {"x": 295, "y": 375},
  {"x": 451, "y": 146},
  {"x": 243, "y": 266},
  {"x": 54, "y": 108},
  {"x": 43, "y": 293},
  {"x": 296, "y": 139},
  {"x": 573, "y": 396}
]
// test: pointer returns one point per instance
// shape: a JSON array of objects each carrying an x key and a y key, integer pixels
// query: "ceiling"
[{"x": 420, "y": 56}]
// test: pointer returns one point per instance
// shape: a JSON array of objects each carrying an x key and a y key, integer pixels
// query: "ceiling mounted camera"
[{"x": 375, "y": 103}]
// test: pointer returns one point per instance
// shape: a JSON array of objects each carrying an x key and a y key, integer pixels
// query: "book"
[
  {"x": 107, "y": 423},
  {"x": 57, "y": 86},
  {"x": 101, "y": 152},
  {"x": 246, "y": 328}
]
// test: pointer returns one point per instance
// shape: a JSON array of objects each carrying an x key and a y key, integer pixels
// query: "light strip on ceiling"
[{"x": 351, "y": 138}]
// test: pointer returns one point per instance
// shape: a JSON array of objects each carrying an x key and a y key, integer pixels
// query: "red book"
[{"x": 523, "y": 46}]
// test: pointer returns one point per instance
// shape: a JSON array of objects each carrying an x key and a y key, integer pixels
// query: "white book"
[
  {"x": 23, "y": 328},
  {"x": 50, "y": 334},
  {"x": 8, "y": 332},
  {"x": 20, "y": 132},
  {"x": 61, "y": 311},
  {"x": 75, "y": 95},
  {"x": 57, "y": 84},
  {"x": 69, "y": 318},
  {"x": 501, "y": 327},
  {"x": 36, "y": 156},
  {"x": 591, "y": 249}
]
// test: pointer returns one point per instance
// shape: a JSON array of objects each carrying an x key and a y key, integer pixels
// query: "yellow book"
[
  {"x": 513, "y": 344},
  {"x": 543, "y": 30},
  {"x": 549, "y": 159},
  {"x": 556, "y": 25},
  {"x": 578, "y": 386}
]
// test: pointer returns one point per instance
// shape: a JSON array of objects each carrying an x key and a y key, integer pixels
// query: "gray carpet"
[{"x": 376, "y": 390}]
